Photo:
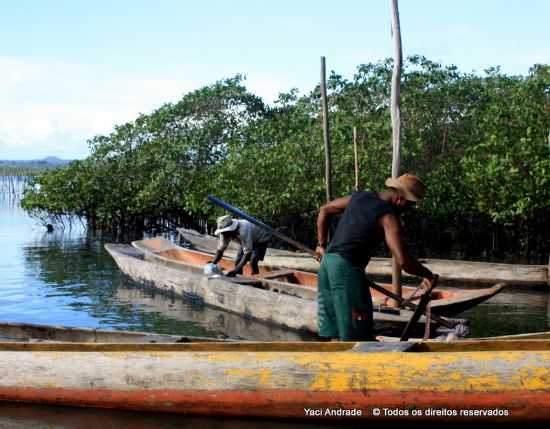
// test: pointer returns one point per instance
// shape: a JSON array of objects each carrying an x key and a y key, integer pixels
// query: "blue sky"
[{"x": 73, "y": 69}]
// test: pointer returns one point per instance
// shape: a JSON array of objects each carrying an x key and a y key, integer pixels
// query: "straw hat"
[
  {"x": 408, "y": 186},
  {"x": 225, "y": 223}
]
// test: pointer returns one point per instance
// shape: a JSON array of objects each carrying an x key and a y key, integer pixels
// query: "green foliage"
[
  {"x": 508, "y": 166},
  {"x": 479, "y": 142}
]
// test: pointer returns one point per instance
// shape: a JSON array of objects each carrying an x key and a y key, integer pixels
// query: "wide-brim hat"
[
  {"x": 408, "y": 185},
  {"x": 225, "y": 224}
]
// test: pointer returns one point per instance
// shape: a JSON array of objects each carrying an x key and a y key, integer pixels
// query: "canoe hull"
[
  {"x": 30, "y": 332},
  {"x": 263, "y": 305},
  {"x": 467, "y": 299},
  {"x": 281, "y": 383},
  {"x": 445, "y": 302},
  {"x": 283, "y": 310},
  {"x": 295, "y": 405}
]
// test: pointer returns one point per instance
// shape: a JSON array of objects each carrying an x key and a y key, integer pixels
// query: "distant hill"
[
  {"x": 54, "y": 160},
  {"x": 49, "y": 161}
]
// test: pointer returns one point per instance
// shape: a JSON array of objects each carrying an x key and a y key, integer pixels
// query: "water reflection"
[
  {"x": 512, "y": 311},
  {"x": 199, "y": 316},
  {"x": 19, "y": 416},
  {"x": 67, "y": 278}
]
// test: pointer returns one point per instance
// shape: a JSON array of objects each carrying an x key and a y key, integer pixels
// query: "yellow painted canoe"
[{"x": 484, "y": 380}]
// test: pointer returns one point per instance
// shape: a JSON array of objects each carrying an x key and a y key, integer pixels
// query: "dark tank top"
[{"x": 358, "y": 233}]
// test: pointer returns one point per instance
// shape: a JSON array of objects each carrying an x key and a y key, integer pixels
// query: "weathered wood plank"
[{"x": 276, "y": 308}]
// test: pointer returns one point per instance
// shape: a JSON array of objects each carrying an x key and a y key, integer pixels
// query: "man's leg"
[
  {"x": 352, "y": 302},
  {"x": 240, "y": 255},
  {"x": 362, "y": 310},
  {"x": 254, "y": 264},
  {"x": 326, "y": 317},
  {"x": 258, "y": 254}
]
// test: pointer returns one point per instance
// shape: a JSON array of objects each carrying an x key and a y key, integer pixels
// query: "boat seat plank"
[
  {"x": 241, "y": 280},
  {"x": 274, "y": 274},
  {"x": 384, "y": 347}
]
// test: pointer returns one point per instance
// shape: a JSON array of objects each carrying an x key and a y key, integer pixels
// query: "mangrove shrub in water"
[{"x": 480, "y": 142}]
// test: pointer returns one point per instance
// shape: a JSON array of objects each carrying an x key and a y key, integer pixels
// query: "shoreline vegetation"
[{"x": 480, "y": 143}]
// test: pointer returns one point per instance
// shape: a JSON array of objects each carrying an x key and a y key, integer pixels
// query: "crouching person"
[{"x": 253, "y": 243}]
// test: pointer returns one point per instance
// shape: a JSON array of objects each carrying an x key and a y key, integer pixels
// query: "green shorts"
[{"x": 344, "y": 300}]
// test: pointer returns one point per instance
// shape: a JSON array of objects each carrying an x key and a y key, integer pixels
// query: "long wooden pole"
[
  {"x": 396, "y": 125},
  {"x": 396, "y": 90},
  {"x": 356, "y": 159},
  {"x": 326, "y": 135}
]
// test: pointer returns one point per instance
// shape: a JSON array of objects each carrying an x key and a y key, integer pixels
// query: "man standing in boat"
[
  {"x": 252, "y": 239},
  {"x": 345, "y": 303}
]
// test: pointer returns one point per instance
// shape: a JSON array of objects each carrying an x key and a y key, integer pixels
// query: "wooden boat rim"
[
  {"x": 41, "y": 332},
  {"x": 427, "y": 346}
]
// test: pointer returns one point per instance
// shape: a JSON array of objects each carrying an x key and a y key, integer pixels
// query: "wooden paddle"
[
  {"x": 421, "y": 308},
  {"x": 303, "y": 247},
  {"x": 409, "y": 304}
]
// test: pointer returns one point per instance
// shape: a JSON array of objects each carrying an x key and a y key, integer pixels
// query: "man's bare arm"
[{"x": 392, "y": 232}]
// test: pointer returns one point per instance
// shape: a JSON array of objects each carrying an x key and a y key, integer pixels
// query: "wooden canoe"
[
  {"x": 274, "y": 302},
  {"x": 445, "y": 302},
  {"x": 487, "y": 381},
  {"x": 37, "y": 333},
  {"x": 449, "y": 270},
  {"x": 544, "y": 335},
  {"x": 40, "y": 333}
]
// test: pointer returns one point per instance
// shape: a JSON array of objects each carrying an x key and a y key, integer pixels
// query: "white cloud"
[
  {"x": 14, "y": 72},
  {"x": 529, "y": 59},
  {"x": 54, "y": 106},
  {"x": 270, "y": 88}
]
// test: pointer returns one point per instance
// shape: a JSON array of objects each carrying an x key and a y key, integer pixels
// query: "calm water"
[
  {"x": 24, "y": 416},
  {"x": 67, "y": 278}
]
